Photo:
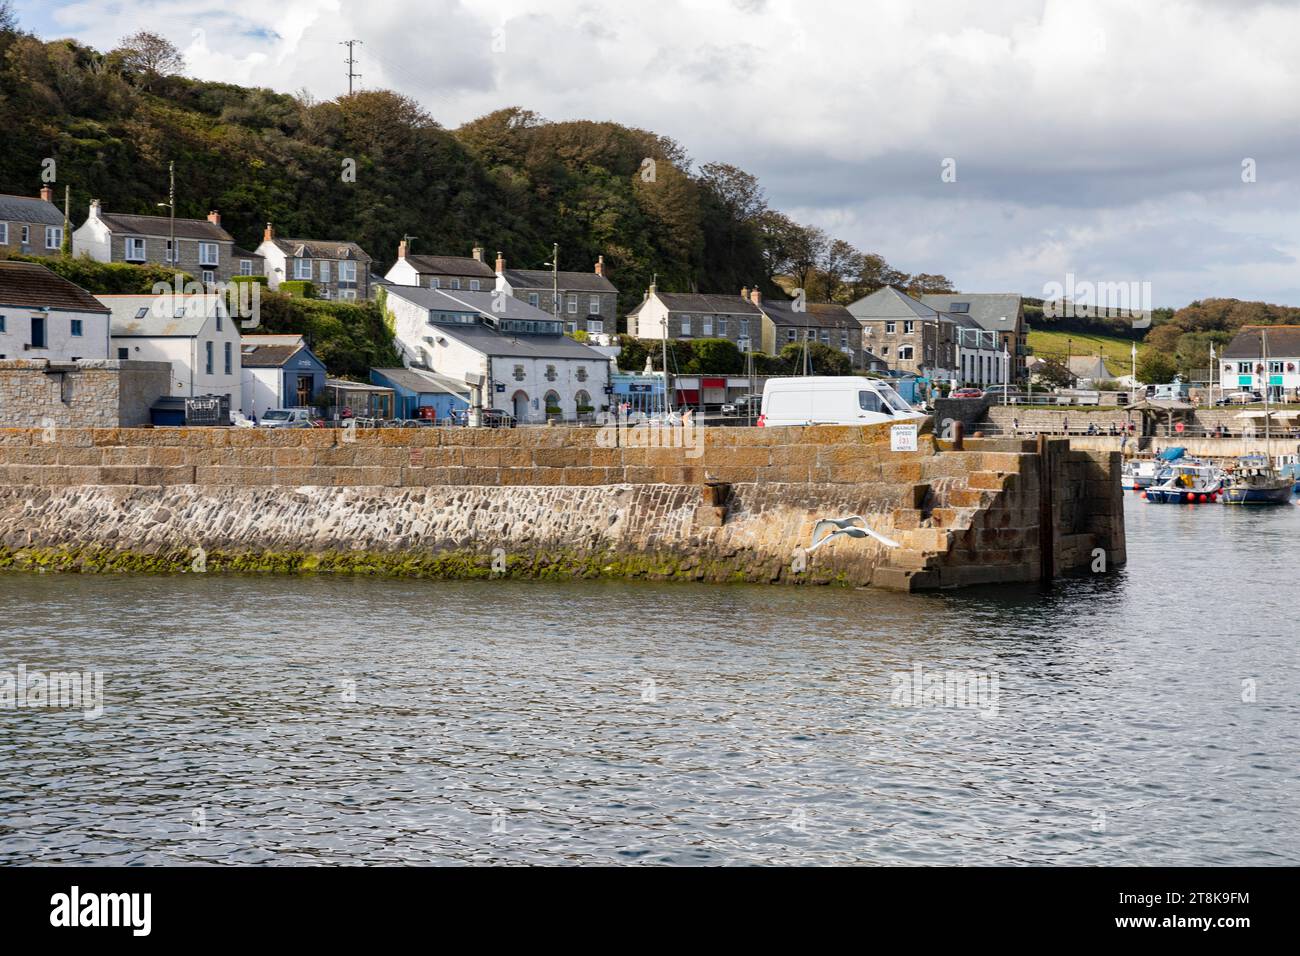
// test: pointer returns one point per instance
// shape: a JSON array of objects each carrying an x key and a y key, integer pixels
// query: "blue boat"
[
  {"x": 1187, "y": 484},
  {"x": 1255, "y": 480}
]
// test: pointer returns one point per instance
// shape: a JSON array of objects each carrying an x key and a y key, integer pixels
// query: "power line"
[{"x": 352, "y": 74}]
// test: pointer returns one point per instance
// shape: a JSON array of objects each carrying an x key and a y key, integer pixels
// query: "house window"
[
  {"x": 1243, "y": 368},
  {"x": 53, "y": 237},
  {"x": 792, "y": 335},
  {"x": 168, "y": 255},
  {"x": 209, "y": 357},
  {"x": 593, "y": 305},
  {"x": 686, "y": 325},
  {"x": 208, "y": 254},
  {"x": 218, "y": 320},
  {"x": 519, "y": 373},
  {"x": 134, "y": 249},
  {"x": 324, "y": 270},
  {"x": 905, "y": 353},
  {"x": 550, "y": 373},
  {"x": 455, "y": 283},
  {"x": 4, "y": 233},
  {"x": 245, "y": 267},
  {"x": 76, "y": 328},
  {"x": 349, "y": 294},
  {"x": 573, "y": 304},
  {"x": 229, "y": 359},
  {"x": 38, "y": 333},
  {"x": 706, "y": 325},
  {"x": 2, "y": 323},
  {"x": 722, "y": 326},
  {"x": 27, "y": 234},
  {"x": 209, "y": 277},
  {"x": 884, "y": 351},
  {"x": 908, "y": 327},
  {"x": 347, "y": 273},
  {"x": 744, "y": 328},
  {"x": 596, "y": 326},
  {"x": 825, "y": 337},
  {"x": 581, "y": 373},
  {"x": 889, "y": 328},
  {"x": 533, "y": 300},
  {"x": 844, "y": 340},
  {"x": 302, "y": 268},
  {"x": 1275, "y": 368},
  {"x": 475, "y": 285},
  {"x": 435, "y": 283},
  {"x": 123, "y": 354}
]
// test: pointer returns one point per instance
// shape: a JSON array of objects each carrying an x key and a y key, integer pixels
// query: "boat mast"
[{"x": 1268, "y": 432}]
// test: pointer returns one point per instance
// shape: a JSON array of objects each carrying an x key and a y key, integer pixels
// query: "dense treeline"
[{"x": 510, "y": 180}]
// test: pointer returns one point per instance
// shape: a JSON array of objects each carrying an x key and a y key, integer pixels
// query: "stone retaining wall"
[{"x": 543, "y": 501}]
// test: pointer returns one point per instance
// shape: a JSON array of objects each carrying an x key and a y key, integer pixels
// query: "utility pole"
[
  {"x": 171, "y": 208},
  {"x": 555, "y": 279},
  {"x": 352, "y": 74},
  {"x": 67, "y": 238}
]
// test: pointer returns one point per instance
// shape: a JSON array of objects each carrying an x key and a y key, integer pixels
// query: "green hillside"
[{"x": 1115, "y": 352}]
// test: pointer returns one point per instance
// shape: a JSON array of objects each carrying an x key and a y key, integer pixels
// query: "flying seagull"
[{"x": 846, "y": 526}]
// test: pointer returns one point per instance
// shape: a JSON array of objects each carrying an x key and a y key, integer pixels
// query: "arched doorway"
[
  {"x": 520, "y": 403},
  {"x": 582, "y": 404},
  {"x": 551, "y": 404}
]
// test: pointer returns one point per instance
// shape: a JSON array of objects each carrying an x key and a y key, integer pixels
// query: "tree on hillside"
[
  {"x": 738, "y": 191},
  {"x": 1053, "y": 373},
  {"x": 8, "y": 21},
  {"x": 148, "y": 56},
  {"x": 1155, "y": 367},
  {"x": 924, "y": 284},
  {"x": 875, "y": 273},
  {"x": 822, "y": 359}
]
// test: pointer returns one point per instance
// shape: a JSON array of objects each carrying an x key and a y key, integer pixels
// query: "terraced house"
[
  {"x": 31, "y": 226},
  {"x": 450, "y": 273},
  {"x": 204, "y": 249},
  {"x": 583, "y": 301},
  {"x": 338, "y": 269},
  {"x": 697, "y": 315},
  {"x": 823, "y": 322}
]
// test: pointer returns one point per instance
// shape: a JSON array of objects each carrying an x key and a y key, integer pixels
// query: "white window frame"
[
  {"x": 324, "y": 270},
  {"x": 906, "y": 353},
  {"x": 908, "y": 326},
  {"x": 245, "y": 267},
  {"x": 686, "y": 325},
  {"x": 435, "y": 282},
  {"x": 350, "y": 294},
  {"x": 706, "y": 325},
  {"x": 890, "y": 328},
  {"x": 4, "y": 233},
  {"x": 792, "y": 335},
  {"x": 55, "y": 233},
  {"x": 455, "y": 284},
  {"x": 26, "y": 234},
  {"x": 135, "y": 242},
  {"x": 475, "y": 285},
  {"x": 744, "y": 328},
  {"x": 573, "y": 304},
  {"x": 209, "y": 254},
  {"x": 302, "y": 269},
  {"x": 534, "y": 299},
  {"x": 593, "y": 305},
  {"x": 347, "y": 271},
  {"x": 722, "y": 326},
  {"x": 209, "y": 277}
]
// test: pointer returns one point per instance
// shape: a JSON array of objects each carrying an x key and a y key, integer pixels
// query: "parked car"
[
  {"x": 1240, "y": 398},
  {"x": 833, "y": 400},
  {"x": 286, "y": 418},
  {"x": 496, "y": 418},
  {"x": 967, "y": 393},
  {"x": 745, "y": 405}
]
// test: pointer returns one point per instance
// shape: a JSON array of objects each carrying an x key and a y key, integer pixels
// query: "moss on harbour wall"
[{"x": 456, "y": 565}]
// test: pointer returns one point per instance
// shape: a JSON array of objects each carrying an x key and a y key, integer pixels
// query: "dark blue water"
[{"x": 283, "y": 720}]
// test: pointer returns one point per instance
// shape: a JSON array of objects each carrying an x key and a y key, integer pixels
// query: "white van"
[{"x": 833, "y": 400}]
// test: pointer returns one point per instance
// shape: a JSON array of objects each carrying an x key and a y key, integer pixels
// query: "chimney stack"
[
  {"x": 600, "y": 267},
  {"x": 94, "y": 209},
  {"x": 755, "y": 296},
  {"x": 501, "y": 263},
  {"x": 479, "y": 253},
  {"x": 269, "y": 234},
  {"x": 401, "y": 249},
  {"x": 47, "y": 193},
  {"x": 214, "y": 217},
  {"x": 744, "y": 292}
]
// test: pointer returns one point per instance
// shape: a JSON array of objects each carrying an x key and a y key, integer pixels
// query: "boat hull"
[
  {"x": 1165, "y": 496},
  {"x": 1257, "y": 496}
]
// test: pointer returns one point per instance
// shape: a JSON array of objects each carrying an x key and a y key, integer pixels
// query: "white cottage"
[
  {"x": 192, "y": 332},
  {"x": 44, "y": 316},
  {"x": 527, "y": 363}
]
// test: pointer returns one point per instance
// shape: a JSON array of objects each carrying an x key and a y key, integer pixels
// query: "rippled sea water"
[{"x": 528, "y": 722}]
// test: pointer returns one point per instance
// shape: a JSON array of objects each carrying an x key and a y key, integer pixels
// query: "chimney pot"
[
  {"x": 501, "y": 263},
  {"x": 755, "y": 296},
  {"x": 744, "y": 292},
  {"x": 47, "y": 193},
  {"x": 94, "y": 209},
  {"x": 600, "y": 266},
  {"x": 401, "y": 249},
  {"x": 214, "y": 217},
  {"x": 479, "y": 253},
  {"x": 269, "y": 234}
]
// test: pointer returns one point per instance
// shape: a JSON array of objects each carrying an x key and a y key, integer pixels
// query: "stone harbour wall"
[
  {"x": 555, "y": 501},
  {"x": 106, "y": 393}
]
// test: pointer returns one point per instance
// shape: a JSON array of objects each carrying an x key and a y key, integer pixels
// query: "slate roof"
[
  {"x": 155, "y": 315},
  {"x": 321, "y": 249},
  {"x": 159, "y": 227},
  {"x": 1248, "y": 343},
  {"x": 542, "y": 280},
  {"x": 986, "y": 308},
  {"x": 702, "y": 302},
  {"x": 422, "y": 381},
  {"x": 28, "y": 284},
  {"x": 888, "y": 303},
  {"x": 29, "y": 209},
  {"x": 266, "y": 356},
  {"x": 239, "y": 252},
  {"x": 451, "y": 266},
  {"x": 821, "y": 315}
]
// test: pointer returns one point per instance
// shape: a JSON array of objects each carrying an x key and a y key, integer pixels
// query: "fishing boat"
[
  {"x": 1141, "y": 473},
  {"x": 1187, "y": 484},
  {"x": 1255, "y": 480},
  {"x": 1288, "y": 466}
]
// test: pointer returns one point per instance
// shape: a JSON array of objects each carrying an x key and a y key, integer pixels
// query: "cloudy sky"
[{"x": 1103, "y": 138}]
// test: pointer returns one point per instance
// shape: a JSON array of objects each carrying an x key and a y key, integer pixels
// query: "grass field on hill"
[{"x": 1114, "y": 351}]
